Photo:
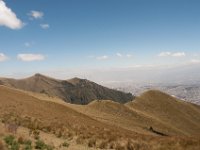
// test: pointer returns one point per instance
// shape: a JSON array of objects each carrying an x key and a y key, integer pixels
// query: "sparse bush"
[
  {"x": 48, "y": 147},
  {"x": 11, "y": 142},
  {"x": 103, "y": 145},
  {"x": 28, "y": 145},
  {"x": 9, "y": 139},
  {"x": 65, "y": 144},
  {"x": 36, "y": 134},
  {"x": 92, "y": 142},
  {"x": 130, "y": 145},
  {"x": 15, "y": 146},
  {"x": 39, "y": 144}
]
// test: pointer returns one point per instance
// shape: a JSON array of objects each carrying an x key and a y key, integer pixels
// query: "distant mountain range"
[{"x": 76, "y": 91}]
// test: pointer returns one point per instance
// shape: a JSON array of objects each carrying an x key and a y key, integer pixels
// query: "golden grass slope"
[
  {"x": 104, "y": 124},
  {"x": 30, "y": 112},
  {"x": 182, "y": 116},
  {"x": 165, "y": 118}
]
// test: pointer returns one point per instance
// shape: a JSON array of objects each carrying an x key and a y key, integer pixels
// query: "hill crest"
[{"x": 75, "y": 90}]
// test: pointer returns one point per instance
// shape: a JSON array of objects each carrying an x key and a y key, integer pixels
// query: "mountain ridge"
[{"x": 75, "y": 90}]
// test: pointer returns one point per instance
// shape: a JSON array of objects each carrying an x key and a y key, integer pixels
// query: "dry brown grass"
[
  {"x": 177, "y": 115},
  {"x": 67, "y": 122}
]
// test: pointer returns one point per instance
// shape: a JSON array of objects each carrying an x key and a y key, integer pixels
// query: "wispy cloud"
[
  {"x": 177, "y": 54},
  {"x": 30, "y": 57},
  {"x": 36, "y": 14},
  {"x": 3, "y": 57},
  {"x": 8, "y": 18},
  {"x": 195, "y": 61},
  {"x": 104, "y": 57},
  {"x": 44, "y": 26},
  {"x": 129, "y": 55},
  {"x": 163, "y": 54},
  {"x": 119, "y": 54}
]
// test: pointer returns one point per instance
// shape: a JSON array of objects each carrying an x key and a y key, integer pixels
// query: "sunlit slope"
[
  {"x": 107, "y": 131},
  {"x": 130, "y": 118},
  {"x": 118, "y": 114},
  {"x": 182, "y": 116}
]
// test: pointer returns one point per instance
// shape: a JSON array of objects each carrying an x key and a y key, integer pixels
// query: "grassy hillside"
[
  {"x": 66, "y": 123},
  {"x": 181, "y": 116}
]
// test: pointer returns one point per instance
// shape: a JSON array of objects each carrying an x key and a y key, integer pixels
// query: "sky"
[{"x": 69, "y": 37}]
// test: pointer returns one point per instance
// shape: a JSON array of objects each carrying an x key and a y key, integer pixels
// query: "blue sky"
[{"x": 48, "y": 35}]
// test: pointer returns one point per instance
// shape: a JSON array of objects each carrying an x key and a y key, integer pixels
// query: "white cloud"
[
  {"x": 119, "y": 54},
  {"x": 177, "y": 54},
  {"x": 102, "y": 57},
  {"x": 3, "y": 57},
  {"x": 36, "y": 14},
  {"x": 8, "y": 18},
  {"x": 195, "y": 61},
  {"x": 163, "y": 54},
  {"x": 44, "y": 26},
  {"x": 30, "y": 57},
  {"x": 128, "y": 55}
]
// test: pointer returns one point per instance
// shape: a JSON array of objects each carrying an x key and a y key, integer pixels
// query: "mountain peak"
[
  {"x": 38, "y": 75},
  {"x": 77, "y": 80}
]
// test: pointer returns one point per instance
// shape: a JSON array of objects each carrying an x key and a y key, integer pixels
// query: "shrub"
[
  {"x": 28, "y": 145},
  {"x": 11, "y": 142},
  {"x": 59, "y": 134},
  {"x": 36, "y": 134},
  {"x": 39, "y": 144},
  {"x": 48, "y": 147},
  {"x": 65, "y": 144},
  {"x": 130, "y": 146},
  {"x": 92, "y": 143},
  {"x": 9, "y": 139},
  {"x": 15, "y": 146}
]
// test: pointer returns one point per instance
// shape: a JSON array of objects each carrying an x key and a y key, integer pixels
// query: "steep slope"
[
  {"x": 127, "y": 117},
  {"x": 22, "y": 109},
  {"x": 77, "y": 91},
  {"x": 114, "y": 113},
  {"x": 182, "y": 116},
  {"x": 62, "y": 120}
]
